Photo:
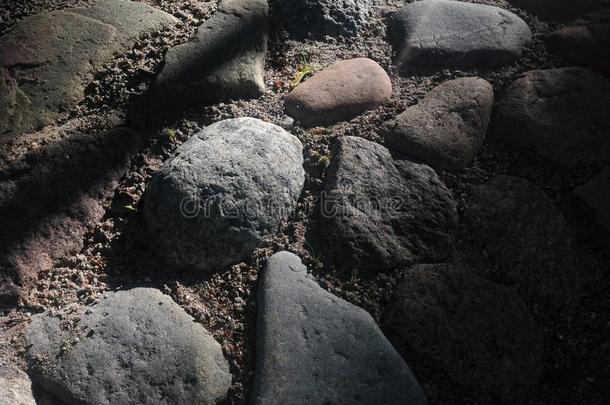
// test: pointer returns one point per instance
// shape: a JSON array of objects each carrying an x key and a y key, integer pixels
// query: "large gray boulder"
[
  {"x": 318, "y": 18},
  {"x": 339, "y": 92},
  {"x": 47, "y": 60},
  {"x": 51, "y": 197},
  {"x": 15, "y": 386},
  {"x": 562, "y": 115},
  {"x": 226, "y": 59},
  {"x": 378, "y": 213},
  {"x": 447, "y": 128},
  {"x": 315, "y": 348},
  {"x": 432, "y": 35},
  {"x": 226, "y": 189},
  {"x": 132, "y": 347},
  {"x": 525, "y": 238},
  {"x": 469, "y": 330}
]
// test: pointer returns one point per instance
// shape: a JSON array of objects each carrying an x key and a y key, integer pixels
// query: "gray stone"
[
  {"x": 47, "y": 60},
  {"x": 51, "y": 197},
  {"x": 432, "y": 35},
  {"x": 447, "y": 128},
  {"x": 15, "y": 386},
  {"x": 339, "y": 92},
  {"x": 582, "y": 45},
  {"x": 596, "y": 195},
  {"x": 379, "y": 213},
  {"x": 469, "y": 330},
  {"x": 315, "y": 348},
  {"x": 525, "y": 238},
  {"x": 225, "y": 61},
  {"x": 557, "y": 10},
  {"x": 132, "y": 347},
  {"x": 318, "y": 18},
  {"x": 562, "y": 115},
  {"x": 226, "y": 189}
]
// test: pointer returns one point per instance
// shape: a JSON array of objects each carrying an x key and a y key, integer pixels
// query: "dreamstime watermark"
[{"x": 328, "y": 205}]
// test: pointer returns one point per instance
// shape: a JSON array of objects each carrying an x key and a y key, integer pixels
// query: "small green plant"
[
  {"x": 123, "y": 210},
  {"x": 304, "y": 69},
  {"x": 323, "y": 162},
  {"x": 170, "y": 133}
]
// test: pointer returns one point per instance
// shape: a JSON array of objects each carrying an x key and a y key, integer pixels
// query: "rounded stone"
[
  {"x": 223, "y": 193},
  {"x": 560, "y": 114},
  {"x": 447, "y": 128},
  {"x": 339, "y": 92}
]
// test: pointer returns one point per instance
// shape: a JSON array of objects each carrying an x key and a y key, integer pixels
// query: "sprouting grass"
[
  {"x": 304, "y": 69},
  {"x": 170, "y": 134}
]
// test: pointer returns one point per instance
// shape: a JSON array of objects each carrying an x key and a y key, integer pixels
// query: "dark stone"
[
  {"x": 586, "y": 46},
  {"x": 379, "y": 213}
]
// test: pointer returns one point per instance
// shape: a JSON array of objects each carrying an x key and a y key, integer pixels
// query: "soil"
[{"x": 118, "y": 253}]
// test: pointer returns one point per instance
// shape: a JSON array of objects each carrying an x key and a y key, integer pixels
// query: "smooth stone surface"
[
  {"x": 557, "y": 10},
  {"x": 472, "y": 331},
  {"x": 379, "y": 213},
  {"x": 525, "y": 239},
  {"x": 339, "y": 92},
  {"x": 225, "y": 61},
  {"x": 318, "y": 18},
  {"x": 585, "y": 46},
  {"x": 51, "y": 197},
  {"x": 447, "y": 128},
  {"x": 432, "y": 35},
  {"x": 132, "y": 347},
  {"x": 315, "y": 348},
  {"x": 47, "y": 60},
  {"x": 225, "y": 190},
  {"x": 562, "y": 115},
  {"x": 15, "y": 386},
  {"x": 596, "y": 195}
]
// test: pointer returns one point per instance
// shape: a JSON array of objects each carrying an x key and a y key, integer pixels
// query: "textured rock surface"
[
  {"x": 586, "y": 46},
  {"x": 315, "y": 348},
  {"x": 447, "y": 128},
  {"x": 224, "y": 191},
  {"x": 317, "y": 18},
  {"x": 133, "y": 346},
  {"x": 225, "y": 61},
  {"x": 15, "y": 386},
  {"x": 379, "y": 213},
  {"x": 525, "y": 238},
  {"x": 51, "y": 197},
  {"x": 560, "y": 114},
  {"x": 47, "y": 60},
  {"x": 557, "y": 10},
  {"x": 596, "y": 194},
  {"x": 339, "y": 92},
  {"x": 474, "y": 332},
  {"x": 431, "y": 35}
]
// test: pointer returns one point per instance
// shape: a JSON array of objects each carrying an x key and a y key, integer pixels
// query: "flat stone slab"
[
  {"x": 560, "y": 114},
  {"x": 525, "y": 238},
  {"x": 225, "y": 190},
  {"x": 319, "y": 18},
  {"x": 447, "y": 128},
  {"x": 378, "y": 213},
  {"x": 431, "y": 35},
  {"x": 315, "y": 348},
  {"x": 50, "y": 198},
  {"x": 339, "y": 92},
  {"x": 133, "y": 346},
  {"x": 15, "y": 386},
  {"x": 226, "y": 60},
  {"x": 47, "y": 60},
  {"x": 471, "y": 331},
  {"x": 596, "y": 194}
]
